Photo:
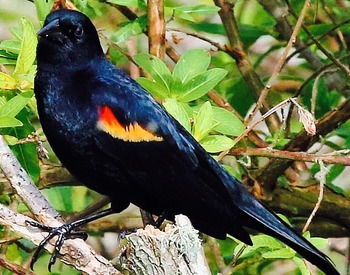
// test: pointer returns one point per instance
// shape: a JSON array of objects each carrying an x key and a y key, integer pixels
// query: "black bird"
[{"x": 116, "y": 139}]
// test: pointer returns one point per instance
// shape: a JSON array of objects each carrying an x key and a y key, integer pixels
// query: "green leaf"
[
  {"x": 187, "y": 12},
  {"x": 208, "y": 27},
  {"x": 233, "y": 171},
  {"x": 27, "y": 53},
  {"x": 17, "y": 33},
  {"x": 79, "y": 198},
  {"x": 283, "y": 253},
  {"x": 319, "y": 243},
  {"x": 43, "y": 8},
  {"x": 216, "y": 143},
  {"x": 7, "y": 61},
  {"x": 285, "y": 219},
  {"x": 183, "y": 15},
  {"x": 11, "y": 46},
  {"x": 260, "y": 241},
  {"x": 201, "y": 84},
  {"x": 129, "y": 3},
  {"x": 7, "y": 82},
  {"x": 60, "y": 197},
  {"x": 25, "y": 153},
  {"x": 16, "y": 104},
  {"x": 198, "y": 9},
  {"x": 249, "y": 33},
  {"x": 9, "y": 121},
  {"x": 154, "y": 88},
  {"x": 156, "y": 68},
  {"x": 12, "y": 252},
  {"x": 132, "y": 28},
  {"x": 203, "y": 121},
  {"x": 191, "y": 63},
  {"x": 301, "y": 265},
  {"x": 178, "y": 112},
  {"x": 228, "y": 123},
  {"x": 334, "y": 172},
  {"x": 266, "y": 241},
  {"x": 10, "y": 140}
]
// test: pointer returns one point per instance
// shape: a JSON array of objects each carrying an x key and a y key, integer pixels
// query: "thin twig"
[
  {"x": 15, "y": 268},
  {"x": 201, "y": 37},
  {"x": 333, "y": 158},
  {"x": 322, "y": 174},
  {"x": 280, "y": 63},
  {"x": 318, "y": 44},
  {"x": 238, "y": 254}
]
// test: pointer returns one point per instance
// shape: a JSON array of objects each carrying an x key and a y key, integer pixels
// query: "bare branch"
[
  {"x": 295, "y": 156},
  {"x": 280, "y": 63}
]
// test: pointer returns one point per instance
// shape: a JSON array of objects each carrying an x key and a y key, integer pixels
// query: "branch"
[
  {"x": 332, "y": 218},
  {"x": 295, "y": 156},
  {"x": 278, "y": 10},
  {"x": 176, "y": 251},
  {"x": 237, "y": 51},
  {"x": 13, "y": 267},
  {"x": 275, "y": 167},
  {"x": 156, "y": 28},
  {"x": 280, "y": 63}
]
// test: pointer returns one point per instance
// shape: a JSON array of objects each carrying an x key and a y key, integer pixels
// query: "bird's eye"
[{"x": 78, "y": 32}]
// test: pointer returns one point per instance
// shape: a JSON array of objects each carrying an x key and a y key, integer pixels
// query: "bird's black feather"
[{"x": 167, "y": 170}]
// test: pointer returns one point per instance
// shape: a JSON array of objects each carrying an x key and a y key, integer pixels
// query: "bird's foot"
[
  {"x": 158, "y": 222},
  {"x": 63, "y": 233},
  {"x": 127, "y": 232}
]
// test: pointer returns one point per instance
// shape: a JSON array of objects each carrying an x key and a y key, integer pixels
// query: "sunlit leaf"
[
  {"x": 228, "y": 123},
  {"x": 301, "y": 265},
  {"x": 43, "y": 8},
  {"x": 200, "y": 9},
  {"x": 203, "y": 121},
  {"x": 129, "y": 3},
  {"x": 9, "y": 121},
  {"x": 201, "y": 84},
  {"x": 11, "y": 46},
  {"x": 27, "y": 53},
  {"x": 191, "y": 63},
  {"x": 155, "y": 67},
  {"x": 7, "y": 82},
  {"x": 26, "y": 153},
  {"x": 16, "y": 104},
  {"x": 154, "y": 88},
  {"x": 130, "y": 29},
  {"x": 216, "y": 143},
  {"x": 283, "y": 253},
  {"x": 178, "y": 112}
]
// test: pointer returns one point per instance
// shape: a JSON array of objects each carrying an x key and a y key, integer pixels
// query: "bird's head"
[{"x": 68, "y": 38}]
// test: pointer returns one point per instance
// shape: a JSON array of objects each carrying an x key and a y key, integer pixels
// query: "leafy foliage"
[{"x": 182, "y": 88}]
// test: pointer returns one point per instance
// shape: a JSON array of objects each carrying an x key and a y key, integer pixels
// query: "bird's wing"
[
  {"x": 128, "y": 117},
  {"x": 128, "y": 113}
]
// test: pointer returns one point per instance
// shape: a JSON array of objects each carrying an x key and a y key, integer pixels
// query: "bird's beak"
[{"x": 52, "y": 31}]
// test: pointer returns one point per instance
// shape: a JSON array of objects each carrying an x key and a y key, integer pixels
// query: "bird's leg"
[
  {"x": 160, "y": 219},
  {"x": 147, "y": 218},
  {"x": 63, "y": 233}
]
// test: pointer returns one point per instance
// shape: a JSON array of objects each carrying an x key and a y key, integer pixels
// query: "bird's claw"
[{"x": 62, "y": 232}]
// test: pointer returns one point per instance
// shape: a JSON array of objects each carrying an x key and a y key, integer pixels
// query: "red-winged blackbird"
[{"x": 116, "y": 139}]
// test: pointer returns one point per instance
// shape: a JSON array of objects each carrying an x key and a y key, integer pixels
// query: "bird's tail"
[{"x": 264, "y": 220}]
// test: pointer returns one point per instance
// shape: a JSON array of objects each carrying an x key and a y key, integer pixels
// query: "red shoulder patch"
[{"x": 133, "y": 132}]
